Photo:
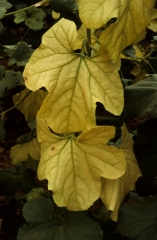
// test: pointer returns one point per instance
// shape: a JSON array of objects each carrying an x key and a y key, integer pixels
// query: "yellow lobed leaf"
[
  {"x": 42, "y": 3},
  {"x": 139, "y": 75},
  {"x": 70, "y": 107},
  {"x": 114, "y": 191},
  {"x": 20, "y": 152},
  {"x": 138, "y": 55},
  {"x": 74, "y": 165},
  {"x": 31, "y": 104},
  {"x": 96, "y": 13},
  {"x": 75, "y": 82},
  {"x": 129, "y": 29},
  {"x": 133, "y": 17},
  {"x": 81, "y": 35},
  {"x": 55, "y": 15},
  {"x": 54, "y": 54},
  {"x": 153, "y": 24}
]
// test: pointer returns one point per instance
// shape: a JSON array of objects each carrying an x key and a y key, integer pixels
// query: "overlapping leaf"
[
  {"x": 27, "y": 137},
  {"x": 73, "y": 166},
  {"x": 140, "y": 98},
  {"x": 95, "y": 14},
  {"x": 21, "y": 152},
  {"x": 31, "y": 163},
  {"x": 63, "y": 6},
  {"x": 38, "y": 192},
  {"x": 33, "y": 18},
  {"x": 31, "y": 104},
  {"x": 137, "y": 220},
  {"x": 153, "y": 24},
  {"x": 46, "y": 224},
  {"x": 114, "y": 191},
  {"x": 13, "y": 180},
  {"x": 21, "y": 55},
  {"x": 133, "y": 53},
  {"x": 133, "y": 17},
  {"x": 9, "y": 80},
  {"x": 75, "y": 82},
  {"x": 4, "y": 5},
  {"x": 81, "y": 35}
]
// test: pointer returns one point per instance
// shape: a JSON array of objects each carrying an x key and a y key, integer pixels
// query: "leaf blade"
[{"x": 79, "y": 186}]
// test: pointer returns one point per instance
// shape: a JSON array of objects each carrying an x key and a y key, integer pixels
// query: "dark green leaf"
[
  {"x": 14, "y": 2},
  {"x": 12, "y": 181},
  {"x": 141, "y": 98},
  {"x": 2, "y": 130},
  {"x": 20, "y": 17},
  {"x": 63, "y": 5},
  {"x": 38, "y": 192},
  {"x": 129, "y": 52},
  {"x": 9, "y": 80},
  {"x": 31, "y": 163},
  {"x": 154, "y": 38},
  {"x": 38, "y": 211},
  {"x": 21, "y": 55},
  {"x": 27, "y": 137},
  {"x": 20, "y": 5},
  {"x": 146, "y": 156},
  {"x": 4, "y": 5},
  {"x": 33, "y": 18},
  {"x": 138, "y": 220},
  {"x": 45, "y": 225},
  {"x": 2, "y": 12},
  {"x": 1, "y": 48}
]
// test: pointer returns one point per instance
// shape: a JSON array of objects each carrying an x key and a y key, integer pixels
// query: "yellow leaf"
[
  {"x": 133, "y": 17},
  {"x": 31, "y": 104},
  {"x": 75, "y": 82},
  {"x": 153, "y": 24},
  {"x": 55, "y": 15},
  {"x": 81, "y": 35},
  {"x": 20, "y": 152},
  {"x": 140, "y": 72},
  {"x": 96, "y": 13},
  {"x": 74, "y": 165},
  {"x": 138, "y": 55},
  {"x": 114, "y": 191},
  {"x": 49, "y": 63},
  {"x": 136, "y": 70},
  {"x": 42, "y": 3}
]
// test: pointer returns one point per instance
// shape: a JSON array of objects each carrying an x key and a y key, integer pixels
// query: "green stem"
[
  {"x": 21, "y": 10},
  {"x": 84, "y": 43},
  {"x": 24, "y": 9},
  {"x": 16, "y": 104},
  {"x": 88, "y": 44}
]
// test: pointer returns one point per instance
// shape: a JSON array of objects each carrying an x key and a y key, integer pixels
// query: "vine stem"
[
  {"x": 16, "y": 104},
  {"x": 84, "y": 44},
  {"x": 41, "y": 3},
  {"x": 88, "y": 44}
]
